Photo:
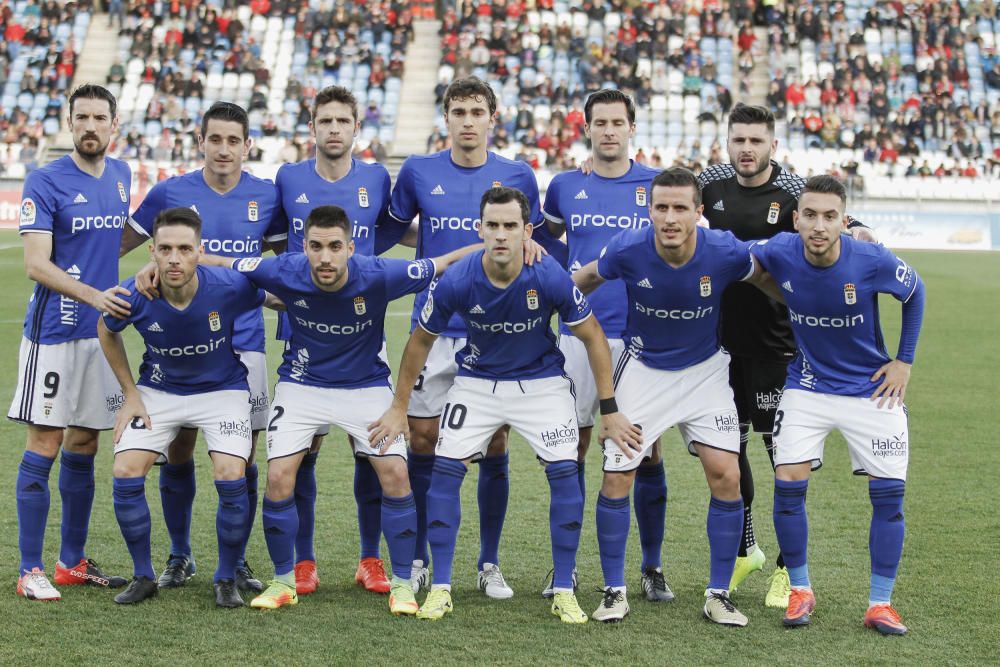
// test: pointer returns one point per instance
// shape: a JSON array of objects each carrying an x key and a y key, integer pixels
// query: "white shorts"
[
  {"x": 256, "y": 363},
  {"x": 578, "y": 369},
  {"x": 542, "y": 411},
  {"x": 65, "y": 384},
  {"x": 299, "y": 411},
  {"x": 877, "y": 439},
  {"x": 223, "y": 416},
  {"x": 697, "y": 400},
  {"x": 431, "y": 388},
  {"x": 324, "y": 430}
]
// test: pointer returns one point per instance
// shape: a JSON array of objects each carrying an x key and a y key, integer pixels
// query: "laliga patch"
[
  {"x": 705, "y": 285},
  {"x": 359, "y": 305},
  {"x": 248, "y": 264},
  {"x": 640, "y": 196},
  {"x": 773, "y": 212},
  {"x": 252, "y": 210},
  {"x": 122, "y": 193},
  {"x": 532, "y": 299},
  {"x": 363, "y": 197},
  {"x": 850, "y": 295},
  {"x": 214, "y": 321},
  {"x": 28, "y": 211},
  {"x": 425, "y": 314}
]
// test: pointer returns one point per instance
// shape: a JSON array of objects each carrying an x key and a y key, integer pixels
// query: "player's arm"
[
  {"x": 859, "y": 231},
  {"x": 895, "y": 375},
  {"x": 442, "y": 262},
  {"x": 764, "y": 281},
  {"x": 273, "y": 302},
  {"x": 556, "y": 228},
  {"x": 39, "y": 267},
  {"x": 114, "y": 351},
  {"x": 393, "y": 422},
  {"x": 588, "y": 278},
  {"x": 131, "y": 239}
]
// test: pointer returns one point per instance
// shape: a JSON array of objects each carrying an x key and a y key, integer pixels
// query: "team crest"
[
  {"x": 214, "y": 321},
  {"x": 497, "y": 184},
  {"x": 640, "y": 196},
  {"x": 773, "y": 212},
  {"x": 850, "y": 295},
  {"x": 122, "y": 193},
  {"x": 363, "y": 197},
  {"x": 252, "y": 210},
  {"x": 705, "y": 285},
  {"x": 532, "y": 300},
  {"x": 28, "y": 211},
  {"x": 359, "y": 305}
]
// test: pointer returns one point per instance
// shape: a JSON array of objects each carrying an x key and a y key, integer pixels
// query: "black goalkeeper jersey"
[{"x": 752, "y": 323}]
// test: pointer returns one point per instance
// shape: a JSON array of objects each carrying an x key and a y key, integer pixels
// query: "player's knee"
[
  {"x": 393, "y": 476},
  {"x": 127, "y": 466},
  {"x": 44, "y": 441},
  {"x": 617, "y": 484},
  {"x": 423, "y": 435},
  {"x": 228, "y": 468},
  {"x": 80, "y": 441},
  {"x": 280, "y": 480},
  {"x": 724, "y": 480},
  {"x": 792, "y": 473}
]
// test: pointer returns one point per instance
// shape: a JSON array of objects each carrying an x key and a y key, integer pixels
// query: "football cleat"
[
  {"x": 654, "y": 585},
  {"x": 492, "y": 583},
  {"x": 885, "y": 619},
  {"x": 278, "y": 594},
  {"x": 779, "y": 587},
  {"x": 227, "y": 595},
  {"x": 371, "y": 575},
  {"x": 35, "y": 585},
  {"x": 86, "y": 572},
  {"x": 306, "y": 578},
  {"x": 550, "y": 578},
  {"x": 565, "y": 606},
  {"x": 139, "y": 589},
  {"x": 437, "y": 604},
  {"x": 801, "y": 603},
  {"x": 747, "y": 565},
  {"x": 420, "y": 577},
  {"x": 720, "y": 609},
  {"x": 401, "y": 600},
  {"x": 178, "y": 570},
  {"x": 245, "y": 580},
  {"x": 613, "y": 607}
]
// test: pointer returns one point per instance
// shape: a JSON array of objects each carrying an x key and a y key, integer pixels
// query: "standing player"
[
  {"x": 510, "y": 373},
  {"x": 842, "y": 378},
  {"x": 362, "y": 190},
  {"x": 72, "y": 214},
  {"x": 444, "y": 189},
  {"x": 675, "y": 273},
  {"x": 241, "y": 214},
  {"x": 190, "y": 377},
  {"x": 591, "y": 208}
]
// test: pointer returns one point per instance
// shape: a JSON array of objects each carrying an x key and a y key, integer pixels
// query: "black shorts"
[{"x": 757, "y": 385}]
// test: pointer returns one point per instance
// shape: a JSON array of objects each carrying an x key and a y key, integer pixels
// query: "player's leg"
[
  {"x": 750, "y": 558},
  {"x": 306, "y": 576},
  {"x": 33, "y": 499},
  {"x": 368, "y": 498},
  {"x": 650, "y": 501},
  {"x": 613, "y": 521},
  {"x": 178, "y": 487},
  {"x": 493, "y": 494},
  {"x": 257, "y": 378}
]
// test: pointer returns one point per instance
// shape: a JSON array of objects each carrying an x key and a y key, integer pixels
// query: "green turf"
[{"x": 943, "y": 587}]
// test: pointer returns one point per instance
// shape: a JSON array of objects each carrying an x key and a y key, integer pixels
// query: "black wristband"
[
  {"x": 608, "y": 406},
  {"x": 854, "y": 222}
]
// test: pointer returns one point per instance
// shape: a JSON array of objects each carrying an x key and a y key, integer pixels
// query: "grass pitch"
[{"x": 942, "y": 590}]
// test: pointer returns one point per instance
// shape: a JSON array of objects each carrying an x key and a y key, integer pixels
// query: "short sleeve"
[
  {"x": 263, "y": 272},
  {"x": 246, "y": 295},
  {"x": 388, "y": 230},
  {"x": 403, "y": 206},
  {"x": 762, "y": 251},
  {"x": 277, "y": 227},
  {"x": 551, "y": 210},
  {"x": 895, "y": 276},
  {"x": 572, "y": 305},
  {"x": 136, "y": 303},
  {"x": 36, "y": 214},
  {"x": 530, "y": 190},
  {"x": 404, "y": 276},
  {"x": 438, "y": 307},
  {"x": 154, "y": 202},
  {"x": 739, "y": 254},
  {"x": 608, "y": 263}
]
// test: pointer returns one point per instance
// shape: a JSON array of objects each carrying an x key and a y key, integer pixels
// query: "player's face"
[
  {"x": 820, "y": 220},
  {"x": 609, "y": 131},
  {"x": 92, "y": 125},
  {"x": 468, "y": 121},
  {"x": 750, "y": 148},
  {"x": 335, "y": 129},
  {"x": 224, "y": 147},
  {"x": 674, "y": 215},
  {"x": 503, "y": 232},
  {"x": 328, "y": 249},
  {"x": 176, "y": 250}
]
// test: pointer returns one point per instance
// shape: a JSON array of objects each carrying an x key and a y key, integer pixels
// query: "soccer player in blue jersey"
[
  {"x": 333, "y": 373},
  {"x": 510, "y": 373},
  {"x": 674, "y": 274},
  {"x": 591, "y": 208},
  {"x": 362, "y": 190},
  {"x": 190, "y": 377},
  {"x": 72, "y": 214},
  {"x": 841, "y": 378},
  {"x": 444, "y": 189},
  {"x": 241, "y": 215}
]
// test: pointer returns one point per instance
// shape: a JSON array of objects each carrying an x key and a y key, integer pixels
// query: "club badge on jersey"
[
  {"x": 363, "y": 197},
  {"x": 640, "y": 196},
  {"x": 359, "y": 305},
  {"x": 532, "y": 299},
  {"x": 850, "y": 296},
  {"x": 773, "y": 212},
  {"x": 122, "y": 193},
  {"x": 706, "y": 286},
  {"x": 214, "y": 321},
  {"x": 252, "y": 210}
]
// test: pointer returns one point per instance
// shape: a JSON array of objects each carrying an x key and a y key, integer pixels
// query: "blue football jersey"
[
  {"x": 446, "y": 197},
  {"x": 673, "y": 314},
  {"x": 834, "y": 310},
  {"x": 85, "y": 217},
  {"x": 191, "y": 351},
  {"x": 510, "y": 337},
  {"x": 337, "y": 336},
  {"x": 233, "y": 225},
  {"x": 594, "y": 209}
]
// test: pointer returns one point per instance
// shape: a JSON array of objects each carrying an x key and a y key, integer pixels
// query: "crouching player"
[
  {"x": 510, "y": 372},
  {"x": 190, "y": 377},
  {"x": 842, "y": 378}
]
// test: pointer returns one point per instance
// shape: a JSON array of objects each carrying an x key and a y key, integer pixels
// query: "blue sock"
[
  {"x": 177, "y": 491},
  {"x": 281, "y": 524},
  {"x": 76, "y": 487},
  {"x": 725, "y": 530},
  {"x": 305, "y": 505},
  {"x": 132, "y": 513},
  {"x": 251, "y": 476},
  {"x": 368, "y": 496},
  {"x": 791, "y": 525},
  {"x": 582, "y": 477},
  {"x": 420, "y": 468},
  {"x": 651, "y": 512},
  {"x": 493, "y": 493},
  {"x": 399, "y": 516},
  {"x": 613, "y": 520},
  {"x": 230, "y": 524},
  {"x": 444, "y": 514},
  {"x": 33, "y": 497},
  {"x": 565, "y": 520},
  {"x": 885, "y": 538}
]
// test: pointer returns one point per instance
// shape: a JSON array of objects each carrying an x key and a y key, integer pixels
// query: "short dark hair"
[
  {"x": 749, "y": 114},
  {"x": 181, "y": 215},
  {"x": 502, "y": 195},
  {"x": 229, "y": 112},
  {"x": 677, "y": 177},
  {"x": 328, "y": 217},
  {"x": 470, "y": 87},
  {"x": 335, "y": 94},
  {"x": 826, "y": 185},
  {"x": 610, "y": 96},
  {"x": 92, "y": 91}
]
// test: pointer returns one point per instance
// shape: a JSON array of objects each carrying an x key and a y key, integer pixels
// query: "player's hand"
[
  {"x": 108, "y": 301},
  {"x": 617, "y": 428},
  {"x": 147, "y": 279},
  {"x": 895, "y": 376},
  {"x": 863, "y": 234},
  {"x": 587, "y": 166},
  {"x": 383, "y": 431},
  {"x": 533, "y": 252},
  {"x": 131, "y": 410}
]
